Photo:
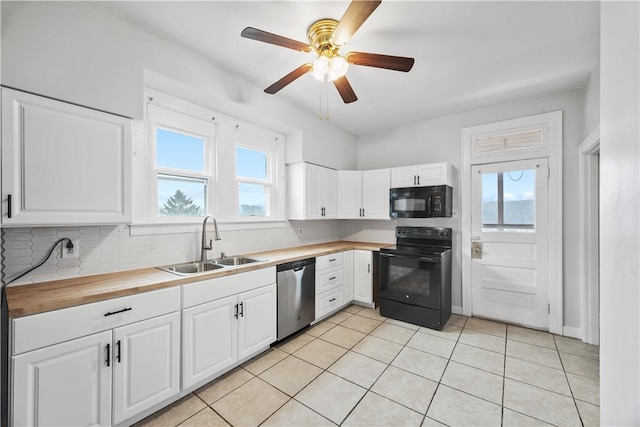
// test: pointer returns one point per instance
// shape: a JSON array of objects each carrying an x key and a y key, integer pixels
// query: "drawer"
[
  {"x": 328, "y": 261},
  {"x": 221, "y": 287},
  {"x": 328, "y": 301},
  {"x": 44, "y": 329},
  {"x": 328, "y": 279}
]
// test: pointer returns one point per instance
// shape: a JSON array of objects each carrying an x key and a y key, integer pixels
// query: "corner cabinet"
[
  {"x": 422, "y": 175},
  {"x": 63, "y": 164},
  {"x": 312, "y": 192},
  {"x": 363, "y": 276},
  {"x": 364, "y": 194}
]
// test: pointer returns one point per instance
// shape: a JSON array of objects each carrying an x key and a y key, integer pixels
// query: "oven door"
[{"x": 411, "y": 279}]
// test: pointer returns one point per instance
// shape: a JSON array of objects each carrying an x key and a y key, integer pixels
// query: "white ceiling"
[{"x": 467, "y": 54}]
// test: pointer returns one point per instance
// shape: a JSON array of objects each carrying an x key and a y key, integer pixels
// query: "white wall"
[
  {"x": 438, "y": 140},
  {"x": 591, "y": 92},
  {"x": 77, "y": 52},
  {"x": 619, "y": 214}
]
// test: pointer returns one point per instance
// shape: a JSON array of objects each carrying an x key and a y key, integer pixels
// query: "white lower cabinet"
[
  {"x": 362, "y": 276},
  {"x": 146, "y": 365},
  {"x": 219, "y": 333},
  {"x": 67, "y": 384}
]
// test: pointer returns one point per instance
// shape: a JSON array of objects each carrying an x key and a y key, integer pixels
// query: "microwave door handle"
[{"x": 430, "y": 205}]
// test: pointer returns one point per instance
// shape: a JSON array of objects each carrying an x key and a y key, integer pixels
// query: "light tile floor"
[{"x": 358, "y": 368}]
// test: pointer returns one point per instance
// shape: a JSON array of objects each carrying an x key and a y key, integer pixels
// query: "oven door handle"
[{"x": 418, "y": 257}]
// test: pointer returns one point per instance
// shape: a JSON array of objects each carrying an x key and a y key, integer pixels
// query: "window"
[
  {"x": 508, "y": 201},
  {"x": 254, "y": 182},
  {"x": 182, "y": 168}
]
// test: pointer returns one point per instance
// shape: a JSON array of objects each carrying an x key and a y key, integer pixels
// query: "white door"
[
  {"x": 349, "y": 194},
  {"x": 210, "y": 339},
  {"x": 257, "y": 320},
  {"x": 146, "y": 364},
  {"x": 404, "y": 177},
  {"x": 375, "y": 193},
  {"x": 67, "y": 384},
  {"x": 313, "y": 191},
  {"x": 509, "y": 223},
  {"x": 362, "y": 275}
]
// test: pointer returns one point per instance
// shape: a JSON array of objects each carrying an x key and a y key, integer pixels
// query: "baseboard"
[
  {"x": 456, "y": 309},
  {"x": 569, "y": 331}
]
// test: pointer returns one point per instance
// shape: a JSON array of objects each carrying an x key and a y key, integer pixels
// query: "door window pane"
[
  {"x": 508, "y": 201},
  {"x": 253, "y": 199},
  {"x": 251, "y": 164},
  {"x": 179, "y": 151},
  {"x": 179, "y": 196}
]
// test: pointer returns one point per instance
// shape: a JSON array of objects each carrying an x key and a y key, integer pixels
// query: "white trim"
[
  {"x": 589, "y": 238},
  {"x": 552, "y": 123},
  {"x": 456, "y": 309},
  {"x": 569, "y": 331}
]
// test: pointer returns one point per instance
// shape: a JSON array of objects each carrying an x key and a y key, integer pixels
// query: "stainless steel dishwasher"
[{"x": 296, "y": 296}]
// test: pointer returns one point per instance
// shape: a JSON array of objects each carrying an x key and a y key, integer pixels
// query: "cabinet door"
[
  {"x": 330, "y": 193},
  {"x": 434, "y": 174},
  {"x": 313, "y": 191},
  {"x": 375, "y": 193},
  {"x": 362, "y": 277},
  {"x": 350, "y": 194},
  {"x": 257, "y": 320},
  {"x": 404, "y": 177},
  {"x": 63, "y": 164},
  {"x": 146, "y": 364},
  {"x": 67, "y": 384},
  {"x": 209, "y": 339},
  {"x": 348, "y": 277}
]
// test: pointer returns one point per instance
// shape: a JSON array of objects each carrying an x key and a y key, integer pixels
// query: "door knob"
[{"x": 476, "y": 250}]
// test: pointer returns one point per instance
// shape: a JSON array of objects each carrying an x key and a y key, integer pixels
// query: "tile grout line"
[{"x": 575, "y": 404}]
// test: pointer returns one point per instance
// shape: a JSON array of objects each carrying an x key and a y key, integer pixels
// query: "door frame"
[
  {"x": 590, "y": 238},
  {"x": 551, "y": 124}
]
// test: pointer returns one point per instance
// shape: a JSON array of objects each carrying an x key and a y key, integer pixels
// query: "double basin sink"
[{"x": 198, "y": 267}]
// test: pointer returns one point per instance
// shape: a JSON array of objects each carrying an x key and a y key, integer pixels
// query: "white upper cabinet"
[
  {"x": 312, "y": 192},
  {"x": 63, "y": 164},
  {"x": 363, "y": 194},
  {"x": 422, "y": 175}
]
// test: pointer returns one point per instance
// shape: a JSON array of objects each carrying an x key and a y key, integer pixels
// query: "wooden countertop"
[{"x": 24, "y": 300}]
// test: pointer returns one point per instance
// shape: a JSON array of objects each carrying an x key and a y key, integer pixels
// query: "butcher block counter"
[{"x": 24, "y": 300}]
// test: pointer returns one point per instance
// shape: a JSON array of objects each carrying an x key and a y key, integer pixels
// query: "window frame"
[{"x": 267, "y": 182}]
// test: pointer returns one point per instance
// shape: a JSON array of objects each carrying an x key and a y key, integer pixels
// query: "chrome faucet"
[{"x": 216, "y": 236}]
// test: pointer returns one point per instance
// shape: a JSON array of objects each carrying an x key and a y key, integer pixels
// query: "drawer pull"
[
  {"x": 118, "y": 352},
  {"x": 332, "y": 278},
  {"x": 111, "y": 313},
  {"x": 108, "y": 355},
  {"x": 333, "y": 259},
  {"x": 332, "y": 300}
]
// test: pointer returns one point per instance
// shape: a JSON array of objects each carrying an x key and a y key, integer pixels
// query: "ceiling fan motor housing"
[{"x": 320, "y": 34}]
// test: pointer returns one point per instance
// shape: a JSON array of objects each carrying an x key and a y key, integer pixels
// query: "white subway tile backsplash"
[{"x": 18, "y": 244}]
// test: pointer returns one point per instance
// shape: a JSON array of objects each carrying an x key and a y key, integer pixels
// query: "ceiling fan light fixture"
[
  {"x": 338, "y": 67},
  {"x": 320, "y": 68}
]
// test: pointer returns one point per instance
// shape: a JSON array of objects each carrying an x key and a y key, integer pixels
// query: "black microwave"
[{"x": 421, "y": 202}]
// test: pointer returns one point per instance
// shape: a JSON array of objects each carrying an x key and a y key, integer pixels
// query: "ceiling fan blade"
[
  {"x": 397, "y": 63},
  {"x": 289, "y": 78},
  {"x": 355, "y": 15},
  {"x": 263, "y": 36},
  {"x": 345, "y": 90}
]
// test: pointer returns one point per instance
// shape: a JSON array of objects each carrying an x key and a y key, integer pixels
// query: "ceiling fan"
[{"x": 326, "y": 37}]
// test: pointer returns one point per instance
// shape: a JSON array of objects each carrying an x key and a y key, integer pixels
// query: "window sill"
[{"x": 196, "y": 227}]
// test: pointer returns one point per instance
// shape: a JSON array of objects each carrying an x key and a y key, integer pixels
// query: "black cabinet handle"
[
  {"x": 236, "y": 311},
  {"x": 332, "y": 259},
  {"x": 363, "y": 212},
  {"x": 332, "y": 278},
  {"x": 9, "y": 203},
  {"x": 108, "y": 354},
  {"x": 332, "y": 300},
  {"x": 111, "y": 313},
  {"x": 418, "y": 179},
  {"x": 118, "y": 351},
  {"x": 241, "y": 309},
  {"x": 414, "y": 180},
  {"x": 368, "y": 268}
]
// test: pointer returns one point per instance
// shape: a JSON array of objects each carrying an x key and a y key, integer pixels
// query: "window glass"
[
  {"x": 179, "y": 196},
  {"x": 508, "y": 201},
  {"x": 251, "y": 164},
  {"x": 253, "y": 199},
  {"x": 179, "y": 151}
]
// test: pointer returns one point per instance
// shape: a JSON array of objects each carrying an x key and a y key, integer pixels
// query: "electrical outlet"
[
  {"x": 300, "y": 231},
  {"x": 73, "y": 252}
]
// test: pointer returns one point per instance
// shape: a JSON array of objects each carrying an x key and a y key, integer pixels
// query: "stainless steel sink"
[
  {"x": 236, "y": 260},
  {"x": 189, "y": 268}
]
